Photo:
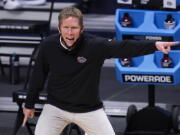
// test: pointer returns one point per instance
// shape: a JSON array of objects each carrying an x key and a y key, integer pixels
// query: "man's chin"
[{"x": 69, "y": 45}]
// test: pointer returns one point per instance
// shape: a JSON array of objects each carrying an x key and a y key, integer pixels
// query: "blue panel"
[
  {"x": 149, "y": 71},
  {"x": 178, "y": 2},
  {"x": 149, "y": 25}
]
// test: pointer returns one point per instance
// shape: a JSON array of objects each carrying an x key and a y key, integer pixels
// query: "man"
[{"x": 73, "y": 60}]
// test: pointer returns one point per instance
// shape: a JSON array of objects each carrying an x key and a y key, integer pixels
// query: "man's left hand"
[{"x": 165, "y": 46}]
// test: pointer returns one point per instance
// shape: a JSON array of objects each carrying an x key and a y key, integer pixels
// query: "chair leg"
[
  {"x": 28, "y": 126},
  {"x": 68, "y": 130},
  {"x": 70, "y": 127},
  {"x": 78, "y": 130},
  {"x": 19, "y": 120}
]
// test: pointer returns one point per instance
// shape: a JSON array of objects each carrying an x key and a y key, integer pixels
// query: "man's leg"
[
  {"x": 51, "y": 121},
  {"x": 94, "y": 123}
]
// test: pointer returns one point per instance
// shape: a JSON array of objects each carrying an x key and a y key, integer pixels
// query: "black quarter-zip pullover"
[{"x": 73, "y": 75}]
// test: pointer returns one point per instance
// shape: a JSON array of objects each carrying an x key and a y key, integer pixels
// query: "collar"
[
  {"x": 75, "y": 45},
  {"x": 62, "y": 44}
]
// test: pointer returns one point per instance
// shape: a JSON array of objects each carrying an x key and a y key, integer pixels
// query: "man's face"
[{"x": 70, "y": 30}]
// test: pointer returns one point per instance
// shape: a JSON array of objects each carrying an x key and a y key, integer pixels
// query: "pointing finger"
[{"x": 171, "y": 43}]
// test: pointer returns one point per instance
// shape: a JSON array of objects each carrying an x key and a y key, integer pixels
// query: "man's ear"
[
  {"x": 82, "y": 29},
  {"x": 59, "y": 30}
]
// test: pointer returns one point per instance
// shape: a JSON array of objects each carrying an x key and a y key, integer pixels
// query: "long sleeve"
[
  {"x": 127, "y": 48},
  {"x": 37, "y": 80}
]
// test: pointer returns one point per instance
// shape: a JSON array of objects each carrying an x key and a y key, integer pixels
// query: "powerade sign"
[
  {"x": 142, "y": 37},
  {"x": 140, "y": 78}
]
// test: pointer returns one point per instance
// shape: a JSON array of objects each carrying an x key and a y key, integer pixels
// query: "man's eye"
[
  {"x": 70, "y": 28},
  {"x": 74, "y": 27}
]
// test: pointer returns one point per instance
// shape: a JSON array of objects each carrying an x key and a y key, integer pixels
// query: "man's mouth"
[{"x": 70, "y": 39}]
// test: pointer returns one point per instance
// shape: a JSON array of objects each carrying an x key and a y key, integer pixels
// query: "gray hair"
[{"x": 70, "y": 12}]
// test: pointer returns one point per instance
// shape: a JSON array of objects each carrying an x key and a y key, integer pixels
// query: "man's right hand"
[{"x": 28, "y": 113}]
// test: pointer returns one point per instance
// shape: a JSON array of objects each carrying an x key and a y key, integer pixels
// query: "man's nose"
[{"x": 70, "y": 31}]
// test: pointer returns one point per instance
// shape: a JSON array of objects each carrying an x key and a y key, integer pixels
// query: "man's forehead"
[{"x": 70, "y": 20}]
